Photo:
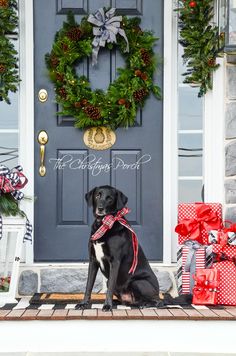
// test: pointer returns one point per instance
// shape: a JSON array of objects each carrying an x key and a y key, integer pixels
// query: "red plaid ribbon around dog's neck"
[{"x": 107, "y": 223}]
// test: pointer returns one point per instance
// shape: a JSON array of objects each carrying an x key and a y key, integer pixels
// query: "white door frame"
[
  {"x": 170, "y": 110},
  {"x": 26, "y": 109}
]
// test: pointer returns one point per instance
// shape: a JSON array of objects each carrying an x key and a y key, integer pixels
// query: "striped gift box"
[{"x": 184, "y": 277}]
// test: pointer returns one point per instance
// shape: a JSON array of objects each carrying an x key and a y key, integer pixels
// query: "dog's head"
[{"x": 105, "y": 200}]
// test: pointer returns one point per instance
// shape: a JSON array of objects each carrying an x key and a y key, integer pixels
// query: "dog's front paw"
[
  {"x": 107, "y": 307},
  {"x": 82, "y": 305}
]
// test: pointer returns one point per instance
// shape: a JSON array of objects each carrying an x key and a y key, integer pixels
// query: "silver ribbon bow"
[{"x": 107, "y": 26}]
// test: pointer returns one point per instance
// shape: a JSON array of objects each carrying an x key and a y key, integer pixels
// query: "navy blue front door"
[{"x": 62, "y": 218}]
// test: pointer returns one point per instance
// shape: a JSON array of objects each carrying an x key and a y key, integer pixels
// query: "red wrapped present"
[
  {"x": 225, "y": 258},
  {"x": 206, "y": 286},
  {"x": 196, "y": 219},
  {"x": 190, "y": 258}
]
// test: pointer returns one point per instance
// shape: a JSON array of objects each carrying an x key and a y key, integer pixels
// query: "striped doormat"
[{"x": 66, "y": 298}]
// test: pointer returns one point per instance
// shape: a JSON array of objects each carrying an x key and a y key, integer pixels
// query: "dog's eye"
[
  {"x": 98, "y": 196},
  {"x": 109, "y": 199}
]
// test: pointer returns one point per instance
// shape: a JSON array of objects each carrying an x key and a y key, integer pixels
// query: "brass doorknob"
[{"x": 42, "y": 140}]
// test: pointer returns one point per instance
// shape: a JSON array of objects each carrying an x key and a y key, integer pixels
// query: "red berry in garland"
[
  {"x": 122, "y": 101},
  {"x": 192, "y": 4}
]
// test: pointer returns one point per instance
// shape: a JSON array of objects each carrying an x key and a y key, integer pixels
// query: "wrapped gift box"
[
  {"x": 205, "y": 291},
  {"x": 182, "y": 275},
  {"x": 227, "y": 269},
  {"x": 195, "y": 220}
]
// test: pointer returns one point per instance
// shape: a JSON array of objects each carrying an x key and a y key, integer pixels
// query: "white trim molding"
[
  {"x": 170, "y": 145},
  {"x": 26, "y": 108},
  {"x": 214, "y": 129}
]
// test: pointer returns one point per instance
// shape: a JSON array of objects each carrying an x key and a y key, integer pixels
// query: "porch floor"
[{"x": 23, "y": 311}]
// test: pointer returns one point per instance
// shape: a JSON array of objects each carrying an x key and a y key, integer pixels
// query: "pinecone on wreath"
[
  {"x": 60, "y": 77},
  {"x": 2, "y": 68},
  {"x": 93, "y": 112},
  {"x": 54, "y": 61},
  {"x": 64, "y": 47},
  {"x": 140, "y": 94},
  {"x": 145, "y": 55},
  {"x": 77, "y": 104},
  {"x": 211, "y": 62},
  {"x": 74, "y": 34},
  {"x": 3, "y": 3},
  {"x": 62, "y": 92}
]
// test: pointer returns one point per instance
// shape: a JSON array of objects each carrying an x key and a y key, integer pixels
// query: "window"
[
  {"x": 190, "y": 139},
  {"x": 9, "y": 128}
]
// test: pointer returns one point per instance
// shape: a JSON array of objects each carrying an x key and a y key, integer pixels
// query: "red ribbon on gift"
[
  {"x": 205, "y": 219},
  {"x": 205, "y": 286}
]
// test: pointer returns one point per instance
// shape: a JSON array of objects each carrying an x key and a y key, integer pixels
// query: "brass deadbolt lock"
[{"x": 43, "y": 95}]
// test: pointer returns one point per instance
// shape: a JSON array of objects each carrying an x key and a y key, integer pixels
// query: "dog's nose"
[{"x": 100, "y": 209}]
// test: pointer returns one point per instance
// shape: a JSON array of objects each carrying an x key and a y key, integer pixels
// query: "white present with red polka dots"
[{"x": 188, "y": 211}]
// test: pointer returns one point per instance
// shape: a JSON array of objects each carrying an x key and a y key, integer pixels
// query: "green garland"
[
  {"x": 9, "y": 206},
  {"x": 200, "y": 40},
  {"x": 119, "y": 104},
  {"x": 9, "y": 77}
]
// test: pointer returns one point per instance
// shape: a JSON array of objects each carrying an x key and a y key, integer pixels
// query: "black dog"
[{"x": 113, "y": 254}]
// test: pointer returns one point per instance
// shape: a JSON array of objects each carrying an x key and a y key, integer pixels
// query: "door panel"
[{"x": 62, "y": 218}]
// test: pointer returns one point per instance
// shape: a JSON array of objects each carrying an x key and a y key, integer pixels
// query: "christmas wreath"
[
  {"x": 9, "y": 77},
  {"x": 201, "y": 42},
  {"x": 75, "y": 42}
]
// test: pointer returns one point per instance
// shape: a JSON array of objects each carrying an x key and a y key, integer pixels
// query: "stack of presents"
[{"x": 206, "y": 254}]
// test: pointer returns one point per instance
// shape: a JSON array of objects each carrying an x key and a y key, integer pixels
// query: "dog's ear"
[
  {"x": 121, "y": 200},
  {"x": 89, "y": 196}
]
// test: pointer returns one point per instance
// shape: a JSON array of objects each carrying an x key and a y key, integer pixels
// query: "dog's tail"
[{"x": 182, "y": 300}]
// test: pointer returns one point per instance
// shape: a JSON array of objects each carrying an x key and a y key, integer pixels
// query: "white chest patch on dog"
[{"x": 99, "y": 253}]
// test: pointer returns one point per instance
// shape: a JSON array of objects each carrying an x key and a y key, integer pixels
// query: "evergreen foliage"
[
  {"x": 9, "y": 77},
  {"x": 201, "y": 42}
]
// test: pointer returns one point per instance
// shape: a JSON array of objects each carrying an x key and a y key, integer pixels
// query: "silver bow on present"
[
  {"x": 215, "y": 237},
  {"x": 107, "y": 26}
]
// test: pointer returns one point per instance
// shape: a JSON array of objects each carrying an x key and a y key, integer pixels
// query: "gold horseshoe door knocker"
[{"x": 42, "y": 140}]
